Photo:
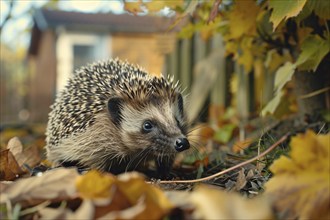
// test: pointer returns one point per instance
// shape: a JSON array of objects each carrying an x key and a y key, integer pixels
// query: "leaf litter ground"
[{"x": 64, "y": 193}]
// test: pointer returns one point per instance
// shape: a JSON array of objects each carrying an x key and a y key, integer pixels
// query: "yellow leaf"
[
  {"x": 155, "y": 6},
  {"x": 94, "y": 185},
  {"x": 275, "y": 60},
  {"x": 234, "y": 83},
  {"x": 207, "y": 30},
  {"x": 241, "y": 145},
  {"x": 133, "y": 7},
  {"x": 242, "y": 18},
  {"x": 134, "y": 188},
  {"x": 284, "y": 75},
  {"x": 212, "y": 203},
  {"x": 284, "y": 10},
  {"x": 246, "y": 57},
  {"x": 318, "y": 148},
  {"x": 300, "y": 186},
  {"x": 231, "y": 47},
  {"x": 313, "y": 50},
  {"x": 303, "y": 33}
]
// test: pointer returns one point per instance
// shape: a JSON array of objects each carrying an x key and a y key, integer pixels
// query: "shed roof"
[
  {"x": 46, "y": 18},
  {"x": 94, "y": 22}
]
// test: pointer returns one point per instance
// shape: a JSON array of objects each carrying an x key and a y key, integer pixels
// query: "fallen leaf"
[
  {"x": 135, "y": 188},
  {"x": 241, "y": 180},
  {"x": 57, "y": 184},
  {"x": 15, "y": 146},
  {"x": 95, "y": 185},
  {"x": 134, "y": 212},
  {"x": 225, "y": 133},
  {"x": 53, "y": 213},
  {"x": 241, "y": 145},
  {"x": 201, "y": 133},
  {"x": 128, "y": 196},
  {"x": 29, "y": 156},
  {"x": 84, "y": 211},
  {"x": 9, "y": 169},
  {"x": 212, "y": 203},
  {"x": 300, "y": 186}
]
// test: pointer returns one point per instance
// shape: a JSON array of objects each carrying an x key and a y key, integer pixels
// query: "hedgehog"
[{"x": 114, "y": 116}]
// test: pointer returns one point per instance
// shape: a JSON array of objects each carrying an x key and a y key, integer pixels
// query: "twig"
[
  {"x": 214, "y": 11},
  {"x": 317, "y": 92},
  {"x": 231, "y": 168}
]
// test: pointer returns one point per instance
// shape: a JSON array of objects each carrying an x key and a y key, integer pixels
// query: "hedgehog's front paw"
[{"x": 164, "y": 169}]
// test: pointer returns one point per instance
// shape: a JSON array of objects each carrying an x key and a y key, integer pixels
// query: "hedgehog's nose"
[{"x": 181, "y": 144}]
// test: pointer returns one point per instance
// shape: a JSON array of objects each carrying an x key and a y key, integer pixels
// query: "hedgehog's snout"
[{"x": 181, "y": 144}]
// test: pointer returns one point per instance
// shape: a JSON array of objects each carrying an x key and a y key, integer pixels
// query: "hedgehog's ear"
[{"x": 114, "y": 108}]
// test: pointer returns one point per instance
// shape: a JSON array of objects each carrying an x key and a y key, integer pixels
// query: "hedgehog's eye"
[{"x": 147, "y": 126}]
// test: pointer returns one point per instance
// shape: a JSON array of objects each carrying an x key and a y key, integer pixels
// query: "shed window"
[{"x": 82, "y": 54}]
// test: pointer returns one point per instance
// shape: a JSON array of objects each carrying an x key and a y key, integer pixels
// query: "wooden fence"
[{"x": 207, "y": 74}]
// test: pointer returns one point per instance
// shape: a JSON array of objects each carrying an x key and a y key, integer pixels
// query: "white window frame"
[{"x": 65, "y": 52}]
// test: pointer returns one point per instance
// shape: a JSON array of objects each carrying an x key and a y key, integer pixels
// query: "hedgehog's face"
[{"x": 155, "y": 126}]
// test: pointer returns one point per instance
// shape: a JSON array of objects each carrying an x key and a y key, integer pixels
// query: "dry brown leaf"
[
  {"x": 53, "y": 213},
  {"x": 15, "y": 146},
  {"x": 29, "y": 156},
  {"x": 134, "y": 212},
  {"x": 300, "y": 186},
  {"x": 212, "y": 203},
  {"x": 85, "y": 211},
  {"x": 241, "y": 145},
  {"x": 128, "y": 196},
  {"x": 135, "y": 188},
  {"x": 241, "y": 180},
  {"x": 57, "y": 184},
  {"x": 9, "y": 168},
  {"x": 249, "y": 175},
  {"x": 200, "y": 134},
  {"x": 119, "y": 202}
]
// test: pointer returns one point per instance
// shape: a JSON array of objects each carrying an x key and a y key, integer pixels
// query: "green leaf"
[
  {"x": 284, "y": 10},
  {"x": 278, "y": 106},
  {"x": 224, "y": 133},
  {"x": 272, "y": 105},
  {"x": 320, "y": 7},
  {"x": 313, "y": 50},
  {"x": 283, "y": 75}
]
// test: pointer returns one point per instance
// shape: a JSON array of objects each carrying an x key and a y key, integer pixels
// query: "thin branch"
[
  {"x": 317, "y": 92},
  {"x": 231, "y": 168},
  {"x": 214, "y": 11}
]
